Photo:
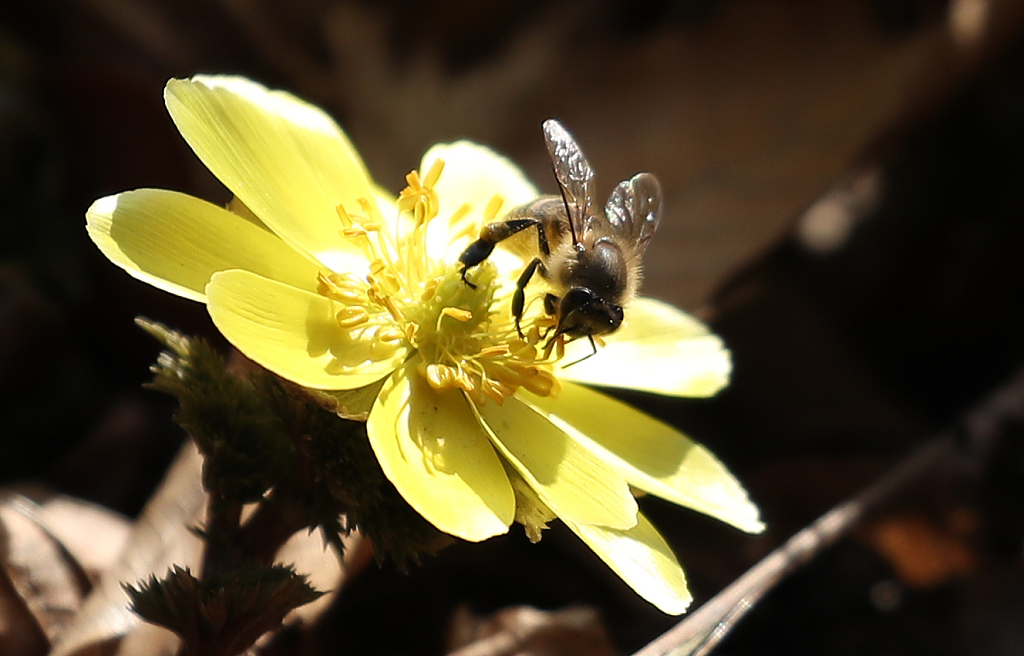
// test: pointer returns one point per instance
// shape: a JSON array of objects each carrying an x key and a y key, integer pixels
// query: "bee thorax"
[{"x": 602, "y": 269}]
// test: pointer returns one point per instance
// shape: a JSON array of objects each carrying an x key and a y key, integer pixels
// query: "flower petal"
[
  {"x": 294, "y": 333},
  {"x": 433, "y": 451},
  {"x": 284, "y": 158},
  {"x": 176, "y": 242},
  {"x": 659, "y": 349},
  {"x": 651, "y": 455},
  {"x": 570, "y": 479},
  {"x": 641, "y": 558},
  {"x": 472, "y": 174}
]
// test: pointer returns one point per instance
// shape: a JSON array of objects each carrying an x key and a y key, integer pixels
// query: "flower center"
[{"x": 465, "y": 338}]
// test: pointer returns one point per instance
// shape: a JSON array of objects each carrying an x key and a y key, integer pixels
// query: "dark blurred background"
[{"x": 845, "y": 204}]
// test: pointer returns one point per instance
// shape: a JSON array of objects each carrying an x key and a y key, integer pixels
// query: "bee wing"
[
  {"x": 574, "y": 175},
  {"x": 634, "y": 209}
]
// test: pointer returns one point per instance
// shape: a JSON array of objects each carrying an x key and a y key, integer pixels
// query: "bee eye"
[{"x": 582, "y": 312}]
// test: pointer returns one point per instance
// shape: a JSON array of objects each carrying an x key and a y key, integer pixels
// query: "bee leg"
[
  {"x": 474, "y": 254},
  {"x": 592, "y": 353},
  {"x": 550, "y": 307},
  {"x": 492, "y": 233},
  {"x": 519, "y": 298}
]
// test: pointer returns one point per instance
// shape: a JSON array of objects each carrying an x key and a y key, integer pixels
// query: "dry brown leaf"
[
  {"x": 311, "y": 556},
  {"x": 161, "y": 537},
  {"x": 526, "y": 631},
  {"x": 41, "y": 572},
  {"x": 922, "y": 552},
  {"x": 95, "y": 536},
  {"x": 20, "y": 634}
]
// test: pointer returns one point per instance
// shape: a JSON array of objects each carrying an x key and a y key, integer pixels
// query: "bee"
[{"x": 590, "y": 258}]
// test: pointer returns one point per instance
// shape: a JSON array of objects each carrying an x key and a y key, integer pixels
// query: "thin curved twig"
[{"x": 704, "y": 629}]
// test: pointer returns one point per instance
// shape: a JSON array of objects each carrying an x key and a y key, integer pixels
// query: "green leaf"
[{"x": 225, "y": 614}]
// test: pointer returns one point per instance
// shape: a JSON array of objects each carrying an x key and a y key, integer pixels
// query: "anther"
[
  {"x": 429, "y": 289},
  {"x": 507, "y": 376},
  {"x": 346, "y": 220},
  {"x": 457, "y": 313},
  {"x": 353, "y": 316},
  {"x": 458, "y": 214},
  {"x": 464, "y": 382},
  {"x": 438, "y": 376},
  {"x": 494, "y": 390},
  {"x": 390, "y": 334},
  {"x": 433, "y": 173},
  {"x": 540, "y": 384},
  {"x": 477, "y": 397},
  {"x": 493, "y": 206}
]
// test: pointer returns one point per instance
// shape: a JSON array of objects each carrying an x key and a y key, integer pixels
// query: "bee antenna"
[{"x": 568, "y": 214}]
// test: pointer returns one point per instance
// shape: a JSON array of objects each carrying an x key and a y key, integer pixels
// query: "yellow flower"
[{"x": 316, "y": 274}]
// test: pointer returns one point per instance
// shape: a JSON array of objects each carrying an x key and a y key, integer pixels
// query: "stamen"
[
  {"x": 438, "y": 376},
  {"x": 433, "y": 173},
  {"x": 464, "y": 382},
  {"x": 493, "y": 205},
  {"x": 392, "y": 309},
  {"x": 469, "y": 229},
  {"x": 477, "y": 397},
  {"x": 540, "y": 384},
  {"x": 494, "y": 390},
  {"x": 352, "y": 316},
  {"x": 429, "y": 289},
  {"x": 458, "y": 214},
  {"x": 457, "y": 313},
  {"x": 366, "y": 206},
  {"x": 390, "y": 334},
  {"x": 556, "y": 344},
  {"x": 346, "y": 220},
  {"x": 340, "y": 288},
  {"x": 508, "y": 377}
]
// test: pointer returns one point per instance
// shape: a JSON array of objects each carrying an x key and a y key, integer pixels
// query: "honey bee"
[{"x": 590, "y": 258}]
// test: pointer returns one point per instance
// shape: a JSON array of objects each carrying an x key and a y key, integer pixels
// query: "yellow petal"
[
  {"x": 569, "y": 478},
  {"x": 643, "y": 560},
  {"x": 295, "y": 334},
  {"x": 284, "y": 158},
  {"x": 352, "y": 404},
  {"x": 659, "y": 349},
  {"x": 433, "y": 451},
  {"x": 472, "y": 174},
  {"x": 176, "y": 242},
  {"x": 651, "y": 455}
]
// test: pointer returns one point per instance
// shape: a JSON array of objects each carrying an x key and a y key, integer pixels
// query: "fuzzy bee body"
[{"x": 591, "y": 258}]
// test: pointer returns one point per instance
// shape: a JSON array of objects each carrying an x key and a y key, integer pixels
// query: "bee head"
[{"x": 581, "y": 312}]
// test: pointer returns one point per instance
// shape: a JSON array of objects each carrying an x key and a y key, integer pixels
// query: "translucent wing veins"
[
  {"x": 574, "y": 175},
  {"x": 634, "y": 209}
]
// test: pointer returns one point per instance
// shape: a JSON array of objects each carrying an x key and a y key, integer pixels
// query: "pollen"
[
  {"x": 405, "y": 296},
  {"x": 457, "y": 313},
  {"x": 352, "y": 316},
  {"x": 493, "y": 207}
]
